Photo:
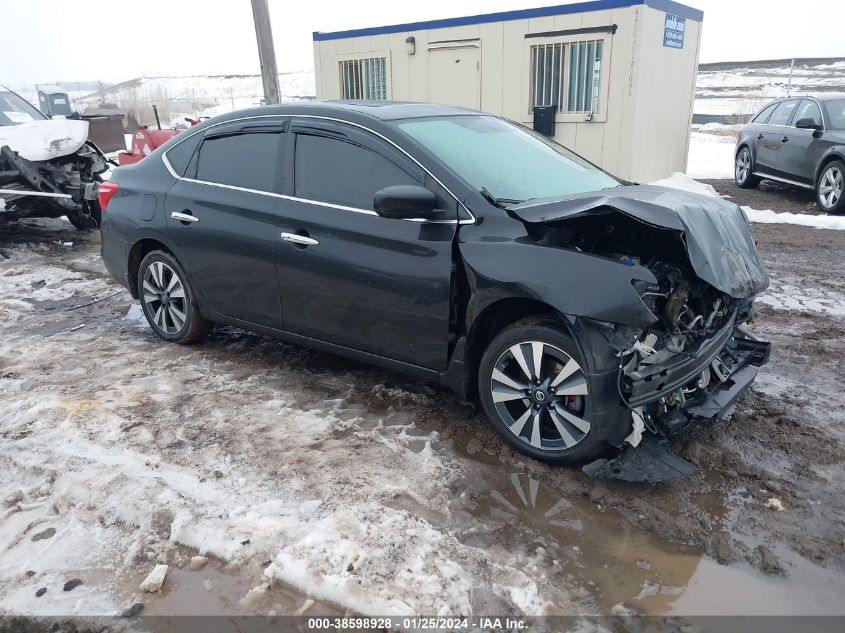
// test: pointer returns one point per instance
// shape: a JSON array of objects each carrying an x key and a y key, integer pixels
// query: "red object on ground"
[{"x": 144, "y": 141}]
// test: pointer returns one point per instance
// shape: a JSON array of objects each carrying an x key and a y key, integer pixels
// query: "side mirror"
[
  {"x": 807, "y": 124},
  {"x": 401, "y": 202}
]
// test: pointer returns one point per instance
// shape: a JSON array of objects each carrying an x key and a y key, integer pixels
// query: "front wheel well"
[
  {"x": 742, "y": 147},
  {"x": 492, "y": 320},
  {"x": 827, "y": 161},
  {"x": 137, "y": 253}
]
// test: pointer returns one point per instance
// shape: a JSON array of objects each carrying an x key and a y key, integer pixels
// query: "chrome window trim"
[
  {"x": 799, "y": 100},
  {"x": 471, "y": 220}
]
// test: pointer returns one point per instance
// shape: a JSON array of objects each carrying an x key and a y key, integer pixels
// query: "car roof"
[
  {"x": 382, "y": 110},
  {"x": 826, "y": 96}
]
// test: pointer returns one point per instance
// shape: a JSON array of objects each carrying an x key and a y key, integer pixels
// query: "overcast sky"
[{"x": 47, "y": 40}]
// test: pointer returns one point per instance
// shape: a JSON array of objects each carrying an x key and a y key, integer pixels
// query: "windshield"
[
  {"x": 15, "y": 110},
  {"x": 505, "y": 160},
  {"x": 835, "y": 114}
]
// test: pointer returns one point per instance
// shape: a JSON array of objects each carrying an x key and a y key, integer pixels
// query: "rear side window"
[
  {"x": 246, "y": 160},
  {"x": 808, "y": 110},
  {"x": 337, "y": 171},
  {"x": 783, "y": 113},
  {"x": 180, "y": 155},
  {"x": 761, "y": 118}
]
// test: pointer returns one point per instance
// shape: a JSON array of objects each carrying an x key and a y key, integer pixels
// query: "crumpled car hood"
[
  {"x": 44, "y": 140},
  {"x": 716, "y": 232}
]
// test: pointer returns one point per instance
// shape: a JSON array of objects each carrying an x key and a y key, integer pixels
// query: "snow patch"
[
  {"x": 686, "y": 183},
  {"x": 789, "y": 297},
  {"x": 710, "y": 155},
  {"x": 682, "y": 181},
  {"x": 153, "y": 582},
  {"x": 832, "y": 222}
]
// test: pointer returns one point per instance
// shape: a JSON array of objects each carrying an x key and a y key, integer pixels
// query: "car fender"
[
  {"x": 571, "y": 282},
  {"x": 746, "y": 139},
  {"x": 836, "y": 152},
  {"x": 45, "y": 140}
]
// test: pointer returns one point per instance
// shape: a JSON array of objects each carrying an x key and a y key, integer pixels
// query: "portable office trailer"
[
  {"x": 619, "y": 75},
  {"x": 53, "y": 100}
]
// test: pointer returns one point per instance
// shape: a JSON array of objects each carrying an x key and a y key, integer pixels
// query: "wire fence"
[{"x": 730, "y": 93}]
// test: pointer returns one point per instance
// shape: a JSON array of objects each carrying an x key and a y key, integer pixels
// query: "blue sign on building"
[{"x": 673, "y": 31}]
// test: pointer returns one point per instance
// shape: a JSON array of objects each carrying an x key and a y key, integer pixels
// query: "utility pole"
[{"x": 266, "y": 52}]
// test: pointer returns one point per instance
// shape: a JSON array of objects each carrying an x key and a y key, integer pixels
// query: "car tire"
[
  {"x": 830, "y": 187},
  {"x": 542, "y": 422},
  {"x": 168, "y": 301},
  {"x": 743, "y": 168}
]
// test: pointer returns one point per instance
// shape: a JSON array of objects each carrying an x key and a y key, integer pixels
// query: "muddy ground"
[
  {"x": 472, "y": 525},
  {"x": 769, "y": 194}
]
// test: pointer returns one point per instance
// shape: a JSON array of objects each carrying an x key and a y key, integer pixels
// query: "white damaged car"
[{"x": 48, "y": 168}]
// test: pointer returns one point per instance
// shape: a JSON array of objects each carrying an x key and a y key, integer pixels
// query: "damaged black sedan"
[{"x": 590, "y": 317}]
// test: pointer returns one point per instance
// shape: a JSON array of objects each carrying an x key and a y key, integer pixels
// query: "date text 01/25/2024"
[{"x": 417, "y": 623}]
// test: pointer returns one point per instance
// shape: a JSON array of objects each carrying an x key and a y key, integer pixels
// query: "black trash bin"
[{"x": 544, "y": 119}]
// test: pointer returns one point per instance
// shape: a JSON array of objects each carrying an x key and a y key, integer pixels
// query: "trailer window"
[
  {"x": 573, "y": 86},
  {"x": 364, "y": 78}
]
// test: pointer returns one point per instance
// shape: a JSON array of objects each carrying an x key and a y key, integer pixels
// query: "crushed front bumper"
[{"x": 732, "y": 363}]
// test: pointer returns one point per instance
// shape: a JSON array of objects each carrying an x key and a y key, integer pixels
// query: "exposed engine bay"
[
  {"x": 695, "y": 357},
  {"x": 66, "y": 185},
  {"x": 48, "y": 168}
]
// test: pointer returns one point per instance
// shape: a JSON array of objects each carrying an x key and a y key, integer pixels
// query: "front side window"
[
  {"x": 783, "y": 113},
  {"x": 247, "y": 160},
  {"x": 808, "y": 110},
  {"x": 339, "y": 172},
  {"x": 508, "y": 161},
  {"x": 573, "y": 86},
  {"x": 835, "y": 110},
  {"x": 364, "y": 78}
]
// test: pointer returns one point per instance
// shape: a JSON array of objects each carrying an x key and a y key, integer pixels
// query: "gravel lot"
[
  {"x": 769, "y": 195},
  {"x": 319, "y": 485}
]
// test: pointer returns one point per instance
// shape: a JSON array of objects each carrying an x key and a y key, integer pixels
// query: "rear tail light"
[{"x": 105, "y": 193}]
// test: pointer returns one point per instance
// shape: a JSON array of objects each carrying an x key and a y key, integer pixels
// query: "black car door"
[
  {"x": 348, "y": 276},
  {"x": 223, "y": 220},
  {"x": 770, "y": 137},
  {"x": 800, "y": 152}
]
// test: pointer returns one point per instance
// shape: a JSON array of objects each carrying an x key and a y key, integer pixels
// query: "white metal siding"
[{"x": 641, "y": 131}]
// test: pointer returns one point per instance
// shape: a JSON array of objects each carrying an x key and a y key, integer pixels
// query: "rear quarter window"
[
  {"x": 180, "y": 154},
  {"x": 764, "y": 113}
]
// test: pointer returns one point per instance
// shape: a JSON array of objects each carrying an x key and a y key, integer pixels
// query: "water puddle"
[
  {"x": 216, "y": 590},
  {"x": 605, "y": 560}
]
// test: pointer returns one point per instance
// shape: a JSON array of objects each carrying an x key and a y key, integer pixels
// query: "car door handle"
[
  {"x": 784, "y": 139},
  {"x": 759, "y": 137},
  {"x": 184, "y": 217},
  {"x": 304, "y": 240}
]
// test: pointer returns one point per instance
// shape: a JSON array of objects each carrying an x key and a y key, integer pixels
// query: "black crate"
[{"x": 544, "y": 119}]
